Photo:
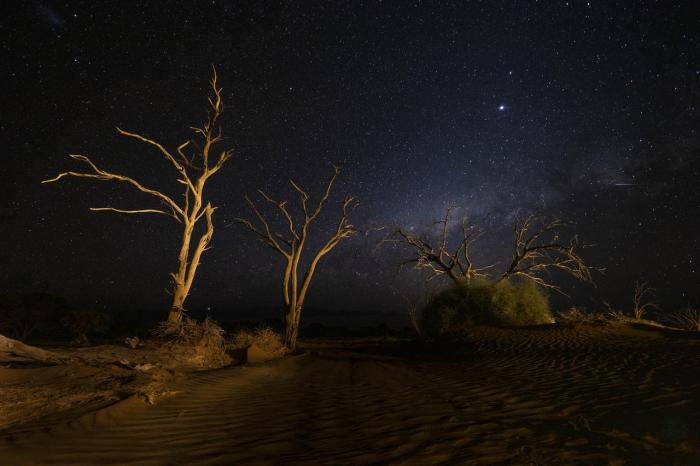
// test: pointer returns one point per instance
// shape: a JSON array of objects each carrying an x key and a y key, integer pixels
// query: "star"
[{"x": 502, "y": 108}]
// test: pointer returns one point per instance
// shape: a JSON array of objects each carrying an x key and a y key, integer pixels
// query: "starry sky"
[{"x": 587, "y": 111}]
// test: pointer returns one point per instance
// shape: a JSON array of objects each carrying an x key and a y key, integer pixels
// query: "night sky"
[{"x": 587, "y": 111}]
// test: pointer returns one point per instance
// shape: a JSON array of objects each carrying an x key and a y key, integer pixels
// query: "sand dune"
[{"x": 586, "y": 395}]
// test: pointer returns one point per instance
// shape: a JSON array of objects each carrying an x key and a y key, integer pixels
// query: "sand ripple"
[{"x": 587, "y": 395}]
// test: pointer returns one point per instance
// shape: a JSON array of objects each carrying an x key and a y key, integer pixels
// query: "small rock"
[{"x": 144, "y": 367}]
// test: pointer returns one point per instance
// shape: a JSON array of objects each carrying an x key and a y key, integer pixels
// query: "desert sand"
[{"x": 586, "y": 394}]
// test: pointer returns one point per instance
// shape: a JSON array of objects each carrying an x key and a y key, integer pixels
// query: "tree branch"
[
  {"x": 538, "y": 249},
  {"x": 105, "y": 176},
  {"x": 140, "y": 211}
]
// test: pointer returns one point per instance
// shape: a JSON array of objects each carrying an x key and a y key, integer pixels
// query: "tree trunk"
[
  {"x": 180, "y": 278},
  {"x": 291, "y": 332},
  {"x": 187, "y": 269},
  {"x": 175, "y": 314},
  {"x": 293, "y": 293}
]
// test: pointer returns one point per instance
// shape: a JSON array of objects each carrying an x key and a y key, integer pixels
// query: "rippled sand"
[{"x": 585, "y": 395}]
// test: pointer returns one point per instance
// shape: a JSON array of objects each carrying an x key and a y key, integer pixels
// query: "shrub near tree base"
[
  {"x": 194, "y": 343},
  {"x": 482, "y": 302},
  {"x": 521, "y": 303}
]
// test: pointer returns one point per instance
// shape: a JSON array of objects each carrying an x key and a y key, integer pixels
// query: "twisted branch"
[
  {"x": 438, "y": 261},
  {"x": 538, "y": 248}
]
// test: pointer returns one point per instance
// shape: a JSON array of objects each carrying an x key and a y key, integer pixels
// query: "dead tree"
[
  {"x": 441, "y": 260},
  {"x": 538, "y": 249},
  {"x": 291, "y": 246},
  {"x": 194, "y": 168}
]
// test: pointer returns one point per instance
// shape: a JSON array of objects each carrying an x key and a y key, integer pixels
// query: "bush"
[
  {"x": 81, "y": 323},
  {"x": 481, "y": 302},
  {"x": 456, "y": 308},
  {"x": 522, "y": 303},
  {"x": 263, "y": 337},
  {"x": 199, "y": 343}
]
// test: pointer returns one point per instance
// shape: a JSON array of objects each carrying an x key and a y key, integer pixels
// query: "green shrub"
[
  {"x": 438, "y": 319},
  {"x": 482, "y": 302},
  {"x": 521, "y": 303}
]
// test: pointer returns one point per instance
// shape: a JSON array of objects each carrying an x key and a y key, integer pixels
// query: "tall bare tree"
[
  {"x": 194, "y": 167},
  {"x": 442, "y": 260},
  {"x": 538, "y": 248},
  {"x": 290, "y": 245}
]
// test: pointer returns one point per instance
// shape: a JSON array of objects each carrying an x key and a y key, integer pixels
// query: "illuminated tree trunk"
[
  {"x": 188, "y": 266},
  {"x": 175, "y": 314},
  {"x": 180, "y": 277}
]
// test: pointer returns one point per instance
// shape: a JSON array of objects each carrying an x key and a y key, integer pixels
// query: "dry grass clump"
[
  {"x": 688, "y": 319},
  {"x": 640, "y": 306},
  {"x": 616, "y": 315},
  {"x": 193, "y": 342},
  {"x": 577, "y": 315},
  {"x": 263, "y": 337},
  {"x": 610, "y": 316}
]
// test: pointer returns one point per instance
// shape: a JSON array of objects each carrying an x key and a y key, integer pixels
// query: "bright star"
[{"x": 501, "y": 108}]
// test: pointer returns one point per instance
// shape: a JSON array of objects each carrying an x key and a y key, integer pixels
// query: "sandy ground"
[
  {"x": 91, "y": 378},
  {"x": 583, "y": 395}
]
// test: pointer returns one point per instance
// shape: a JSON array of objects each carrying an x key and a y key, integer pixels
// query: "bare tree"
[
  {"x": 538, "y": 248},
  {"x": 441, "y": 260},
  {"x": 194, "y": 171},
  {"x": 640, "y": 299},
  {"x": 291, "y": 246}
]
